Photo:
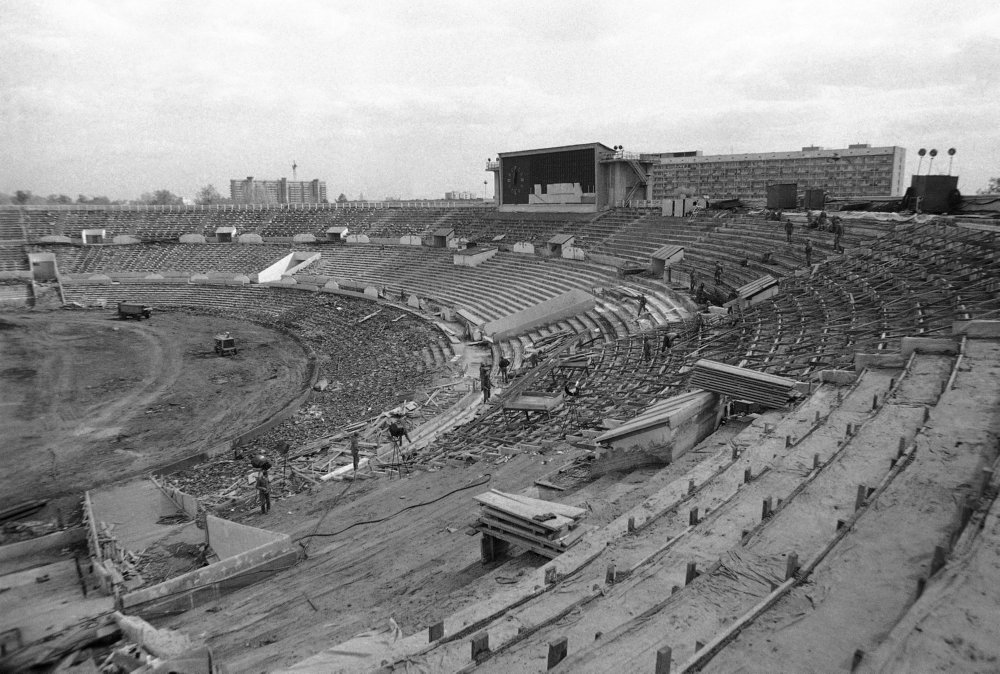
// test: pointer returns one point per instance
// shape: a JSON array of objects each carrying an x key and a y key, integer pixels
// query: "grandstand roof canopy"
[{"x": 562, "y": 148}]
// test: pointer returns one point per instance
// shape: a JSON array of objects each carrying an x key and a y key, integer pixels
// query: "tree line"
[{"x": 205, "y": 196}]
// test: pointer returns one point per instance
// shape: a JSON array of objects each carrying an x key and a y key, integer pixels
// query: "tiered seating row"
[
  {"x": 13, "y": 258},
  {"x": 194, "y": 258},
  {"x": 10, "y": 226}
]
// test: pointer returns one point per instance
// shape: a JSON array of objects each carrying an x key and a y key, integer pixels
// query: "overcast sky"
[{"x": 409, "y": 98}]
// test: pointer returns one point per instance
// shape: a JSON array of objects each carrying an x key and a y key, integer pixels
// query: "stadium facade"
[{"x": 281, "y": 191}]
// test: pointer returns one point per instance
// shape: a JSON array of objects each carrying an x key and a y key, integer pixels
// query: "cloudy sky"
[{"x": 408, "y": 99}]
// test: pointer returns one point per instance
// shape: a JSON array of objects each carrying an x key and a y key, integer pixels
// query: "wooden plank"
[
  {"x": 515, "y": 527},
  {"x": 744, "y": 372},
  {"x": 527, "y": 525},
  {"x": 519, "y": 540},
  {"x": 523, "y": 511},
  {"x": 558, "y": 508},
  {"x": 572, "y": 537}
]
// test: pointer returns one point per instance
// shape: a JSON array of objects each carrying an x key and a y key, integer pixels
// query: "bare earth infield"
[{"x": 86, "y": 399}]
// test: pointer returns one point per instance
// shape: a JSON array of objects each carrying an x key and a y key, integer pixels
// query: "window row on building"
[{"x": 859, "y": 170}]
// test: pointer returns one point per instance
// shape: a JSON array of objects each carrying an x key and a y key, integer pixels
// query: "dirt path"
[{"x": 85, "y": 399}]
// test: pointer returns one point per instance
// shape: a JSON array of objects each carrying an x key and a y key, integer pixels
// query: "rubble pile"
[
  {"x": 12, "y": 532},
  {"x": 226, "y": 486}
]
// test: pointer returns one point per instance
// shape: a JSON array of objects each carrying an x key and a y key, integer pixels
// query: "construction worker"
[
  {"x": 788, "y": 230},
  {"x": 264, "y": 491},
  {"x": 354, "y": 449},
  {"x": 718, "y": 272},
  {"x": 809, "y": 253},
  {"x": 397, "y": 431},
  {"x": 668, "y": 342},
  {"x": 838, "y": 231},
  {"x": 642, "y": 304},
  {"x": 647, "y": 350},
  {"x": 504, "y": 364},
  {"x": 484, "y": 381}
]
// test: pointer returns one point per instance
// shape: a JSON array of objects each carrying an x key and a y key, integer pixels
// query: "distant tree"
[
  {"x": 209, "y": 195},
  {"x": 96, "y": 201},
  {"x": 992, "y": 187},
  {"x": 342, "y": 198},
  {"x": 160, "y": 198},
  {"x": 58, "y": 199},
  {"x": 22, "y": 196}
]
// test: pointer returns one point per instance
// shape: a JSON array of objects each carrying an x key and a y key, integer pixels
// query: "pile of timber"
[
  {"x": 540, "y": 526},
  {"x": 742, "y": 383}
]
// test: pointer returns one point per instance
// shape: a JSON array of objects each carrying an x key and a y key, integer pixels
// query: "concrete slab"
[
  {"x": 927, "y": 345},
  {"x": 977, "y": 329},
  {"x": 43, "y": 609},
  {"x": 132, "y": 510}
]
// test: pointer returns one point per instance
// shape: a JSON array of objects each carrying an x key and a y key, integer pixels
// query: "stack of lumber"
[
  {"x": 742, "y": 383},
  {"x": 540, "y": 526}
]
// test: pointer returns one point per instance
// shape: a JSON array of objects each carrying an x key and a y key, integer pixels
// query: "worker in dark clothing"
[
  {"x": 397, "y": 431},
  {"x": 668, "y": 342},
  {"x": 504, "y": 364},
  {"x": 809, "y": 253},
  {"x": 484, "y": 381},
  {"x": 788, "y": 230},
  {"x": 700, "y": 297},
  {"x": 838, "y": 231},
  {"x": 647, "y": 350},
  {"x": 718, "y": 272},
  {"x": 354, "y": 450},
  {"x": 642, "y": 304},
  {"x": 264, "y": 491},
  {"x": 693, "y": 275}
]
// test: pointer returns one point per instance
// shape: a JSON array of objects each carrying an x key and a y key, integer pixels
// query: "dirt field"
[{"x": 86, "y": 399}]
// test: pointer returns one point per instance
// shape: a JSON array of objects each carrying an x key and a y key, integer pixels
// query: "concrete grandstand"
[{"x": 823, "y": 533}]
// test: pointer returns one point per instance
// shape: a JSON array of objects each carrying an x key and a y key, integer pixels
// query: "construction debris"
[
  {"x": 743, "y": 384},
  {"x": 541, "y": 526}
]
